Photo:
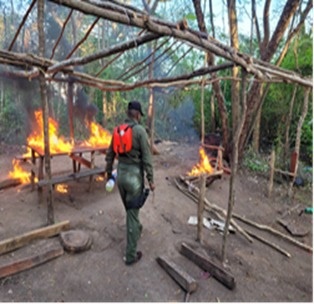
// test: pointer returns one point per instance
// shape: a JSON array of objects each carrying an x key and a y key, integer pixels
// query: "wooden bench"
[{"x": 73, "y": 176}]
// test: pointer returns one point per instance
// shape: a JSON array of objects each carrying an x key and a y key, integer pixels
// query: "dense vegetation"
[{"x": 177, "y": 109}]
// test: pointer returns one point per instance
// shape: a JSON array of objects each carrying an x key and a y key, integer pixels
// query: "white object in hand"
[{"x": 111, "y": 181}]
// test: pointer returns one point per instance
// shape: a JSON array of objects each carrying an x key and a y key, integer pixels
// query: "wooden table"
[{"x": 76, "y": 155}]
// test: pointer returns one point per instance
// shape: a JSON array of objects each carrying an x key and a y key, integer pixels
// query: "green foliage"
[
  {"x": 255, "y": 162},
  {"x": 276, "y": 106},
  {"x": 11, "y": 122}
]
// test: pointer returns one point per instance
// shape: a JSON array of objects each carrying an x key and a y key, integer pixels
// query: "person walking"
[{"x": 130, "y": 145}]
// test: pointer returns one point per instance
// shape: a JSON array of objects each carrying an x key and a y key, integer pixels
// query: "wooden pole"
[
  {"x": 298, "y": 137},
  {"x": 45, "y": 107},
  {"x": 272, "y": 171},
  {"x": 70, "y": 110},
  {"x": 200, "y": 209},
  {"x": 235, "y": 156}
]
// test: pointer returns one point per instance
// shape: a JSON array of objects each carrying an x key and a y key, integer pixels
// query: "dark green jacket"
[{"x": 140, "y": 153}]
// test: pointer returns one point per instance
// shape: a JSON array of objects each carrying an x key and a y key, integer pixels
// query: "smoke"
[
  {"x": 176, "y": 123},
  {"x": 83, "y": 109}
]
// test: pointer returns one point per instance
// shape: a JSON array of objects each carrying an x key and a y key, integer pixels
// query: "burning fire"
[
  {"x": 19, "y": 173},
  {"x": 36, "y": 138},
  {"x": 98, "y": 136},
  {"x": 62, "y": 188},
  {"x": 203, "y": 166}
]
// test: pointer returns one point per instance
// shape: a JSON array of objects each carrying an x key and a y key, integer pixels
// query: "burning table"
[{"x": 98, "y": 141}]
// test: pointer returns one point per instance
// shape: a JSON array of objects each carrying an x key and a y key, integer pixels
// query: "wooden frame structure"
[{"x": 33, "y": 66}]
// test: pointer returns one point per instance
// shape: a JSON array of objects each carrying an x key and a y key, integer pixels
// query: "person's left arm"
[{"x": 110, "y": 156}]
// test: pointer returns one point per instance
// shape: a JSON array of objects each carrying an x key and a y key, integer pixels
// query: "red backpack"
[{"x": 122, "y": 139}]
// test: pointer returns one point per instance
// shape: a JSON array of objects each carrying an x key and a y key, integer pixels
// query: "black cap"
[{"x": 135, "y": 105}]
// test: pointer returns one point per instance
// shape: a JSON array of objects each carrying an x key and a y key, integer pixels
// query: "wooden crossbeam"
[{"x": 81, "y": 160}]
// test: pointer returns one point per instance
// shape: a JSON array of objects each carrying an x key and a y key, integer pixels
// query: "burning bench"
[{"x": 210, "y": 166}]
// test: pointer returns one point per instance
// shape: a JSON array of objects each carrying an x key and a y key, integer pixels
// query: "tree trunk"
[
  {"x": 268, "y": 49},
  {"x": 104, "y": 108},
  {"x": 256, "y": 131},
  {"x": 216, "y": 86},
  {"x": 288, "y": 124}
]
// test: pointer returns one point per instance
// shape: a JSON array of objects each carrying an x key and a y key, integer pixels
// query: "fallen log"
[
  {"x": 10, "y": 182},
  {"x": 29, "y": 262},
  {"x": 206, "y": 264},
  {"x": 45, "y": 232},
  {"x": 187, "y": 282}
]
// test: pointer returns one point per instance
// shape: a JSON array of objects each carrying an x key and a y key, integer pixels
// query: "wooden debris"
[
  {"x": 187, "y": 282},
  {"x": 210, "y": 206},
  {"x": 275, "y": 246},
  {"x": 29, "y": 262},
  {"x": 290, "y": 227},
  {"x": 19, "y": 241},
  {"x": 203, "y": 262},
  {"x": 10, "y": 182},
  {"x": 75, "y": 240},
  {"x": 275, "y": 232}
]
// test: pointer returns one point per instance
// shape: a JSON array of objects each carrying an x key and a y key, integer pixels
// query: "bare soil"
[{"x": 99, "y": 274}]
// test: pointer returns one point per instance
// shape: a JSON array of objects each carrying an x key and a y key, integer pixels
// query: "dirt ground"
[{"x": 99, "y": 274}]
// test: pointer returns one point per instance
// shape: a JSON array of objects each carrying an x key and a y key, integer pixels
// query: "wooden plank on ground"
[
  {"x": 29, "y": 262},
  {"x": 186, "y": 281},
  {"x": 19, "y": 241},
  {"x": 203, "y": 262},
  {"x": 10, "y": 182}
]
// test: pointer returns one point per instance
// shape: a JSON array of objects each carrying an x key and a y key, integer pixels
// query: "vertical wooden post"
[
  {"x": 272, "y": 171},
  {"x": 70, "y": 109},
  {"x": 200, "y": 208},
  {"x": 234, "y": 162},
  {"x": 202, "y": 112},
  {"x": 33, "y": 173},
  {"x": 45, "y": 107},
  {"x": 298, "y": 137}
]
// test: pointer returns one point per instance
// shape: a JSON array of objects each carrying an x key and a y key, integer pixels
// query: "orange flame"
[
  {"x": 203, "y": 166},
  {"x": 19, "y": 173},
  {"x": 36, "y": 138},
  {"x": 98, "y": 136},
  {"x": 62, "y": 188}
]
